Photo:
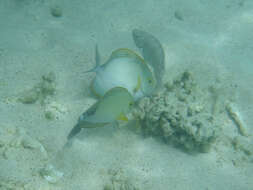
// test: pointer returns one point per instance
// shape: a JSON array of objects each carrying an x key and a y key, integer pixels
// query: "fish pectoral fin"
[
  {"x": 122, "y": 117},
  {"x": 138, "y": 86}
]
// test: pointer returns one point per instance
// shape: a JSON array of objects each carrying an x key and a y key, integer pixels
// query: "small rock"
[
  {"x": 50, "y": 174},
  {"x": 178, "y": 15},
  {"x": 56, "y": 11}
]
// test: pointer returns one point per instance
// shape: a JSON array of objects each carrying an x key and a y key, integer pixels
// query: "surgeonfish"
[
  {"x": 152, "y": 52},
  {"x": 113, "y": 106},
  {"x": 126, "y": 69}
]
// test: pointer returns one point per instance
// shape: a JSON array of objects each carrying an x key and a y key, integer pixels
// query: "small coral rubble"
[
  {"x": 118, "y": 181},
  {"x": 40, "y": 91}
]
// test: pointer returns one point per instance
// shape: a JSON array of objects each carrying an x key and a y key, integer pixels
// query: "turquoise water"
[{"x": 45, "y": 48}]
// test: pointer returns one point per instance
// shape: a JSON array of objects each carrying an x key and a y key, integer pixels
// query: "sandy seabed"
[{"x": 212, "y": 39}]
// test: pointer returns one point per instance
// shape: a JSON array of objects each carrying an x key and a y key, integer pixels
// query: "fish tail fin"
[
  {"x": 76, "y": 129},
  {"x": 138, "y": 37},
  {"x": 97, "y": 59},
  {"x": 68, "y": 144}
]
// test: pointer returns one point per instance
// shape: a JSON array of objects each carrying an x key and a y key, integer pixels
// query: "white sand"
[{"x": 211, "y": 38}]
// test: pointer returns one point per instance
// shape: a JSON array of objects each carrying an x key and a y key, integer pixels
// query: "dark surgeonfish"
[{"x": 152, "y": 52}]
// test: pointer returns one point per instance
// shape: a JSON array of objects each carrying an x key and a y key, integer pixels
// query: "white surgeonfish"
[
  {"x": 113, "y": 106},
  {"x": 126, "y": 69}
]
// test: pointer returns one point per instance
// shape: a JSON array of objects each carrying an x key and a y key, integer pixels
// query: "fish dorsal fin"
[{"x": 124, "y": 52}]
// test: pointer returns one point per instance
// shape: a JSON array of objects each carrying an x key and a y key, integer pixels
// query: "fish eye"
[
  {"x": 150, "y": 81},
  {"x": 131, "y": 103}
]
